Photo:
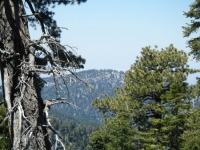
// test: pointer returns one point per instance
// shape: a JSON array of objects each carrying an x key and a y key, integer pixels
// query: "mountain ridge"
[{"x": 104, "y": 81}]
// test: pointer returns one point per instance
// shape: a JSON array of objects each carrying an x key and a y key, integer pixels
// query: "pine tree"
[
  {"x": 23, "y": 59},
  {"x": 153, "y": 101},
  {"x": 191, "y": 134},
  {"x": 193, "y": 27}
]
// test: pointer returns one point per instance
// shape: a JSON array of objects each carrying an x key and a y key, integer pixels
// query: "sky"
[{"x": 110, "y": 34}]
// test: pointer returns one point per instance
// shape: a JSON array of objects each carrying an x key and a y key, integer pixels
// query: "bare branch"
[
  {"x": 8, "y": 55},
  {"x": 81, "y": 80},
  {"x": 50, "y": 102},
  {"x": 58, "y": 140},
  {"x": 58, "y": 27},
  {"x": 25, "y": 15}
]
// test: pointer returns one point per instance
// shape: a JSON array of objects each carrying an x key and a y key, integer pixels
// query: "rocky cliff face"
[{"x": 81, "y": 96}]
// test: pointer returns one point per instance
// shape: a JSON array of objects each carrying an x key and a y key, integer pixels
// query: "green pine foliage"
[
  {"x": 74, "y": 136},
  {"x": 5, "y": 142},
  {"x": 193, "y": 27},
  {"x": 116, "y": 134},
  {"x": 190, "y": 137},
  {"x": 166, "y": 132},
  {"x": 151, "y": 110}
]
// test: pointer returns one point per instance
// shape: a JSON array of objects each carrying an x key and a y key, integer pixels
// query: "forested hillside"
[
  {"x": 75, "y": 136},
  {"x": 81, "y": 96},
  {"x": 76, "y": 124}
]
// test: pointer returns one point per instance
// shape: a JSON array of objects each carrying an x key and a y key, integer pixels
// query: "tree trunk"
[{"x": 20, "y": 87}]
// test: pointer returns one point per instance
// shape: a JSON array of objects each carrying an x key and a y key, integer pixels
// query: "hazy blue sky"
[{"x": 111, "y": 33}]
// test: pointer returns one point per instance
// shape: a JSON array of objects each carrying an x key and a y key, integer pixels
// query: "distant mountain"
[{"x": 81, "y": 96}]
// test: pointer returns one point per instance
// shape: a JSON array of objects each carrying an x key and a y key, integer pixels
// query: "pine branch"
[{"x": 39, "y": 19}]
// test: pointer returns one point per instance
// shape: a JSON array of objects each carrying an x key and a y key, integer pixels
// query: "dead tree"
[{"x": 22, "y": 60}]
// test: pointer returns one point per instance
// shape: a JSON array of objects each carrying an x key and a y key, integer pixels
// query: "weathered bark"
[{"x": 22, "y": 96}]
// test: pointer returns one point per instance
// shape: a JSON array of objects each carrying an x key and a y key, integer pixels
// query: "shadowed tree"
[{"x": 23, "y": 59}]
